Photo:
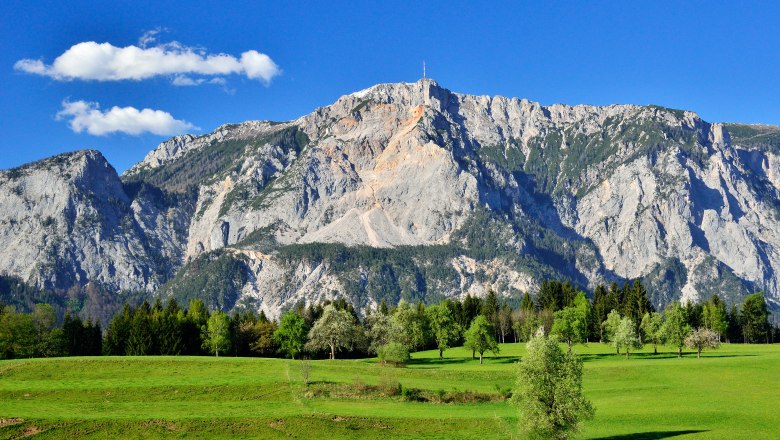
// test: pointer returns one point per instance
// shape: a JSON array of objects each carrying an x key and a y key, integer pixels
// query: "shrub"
[{"x": 393, "y": 353}]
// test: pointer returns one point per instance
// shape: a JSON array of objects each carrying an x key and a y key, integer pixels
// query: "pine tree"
[
  {"x": 118, "y": 332},
  {"x": 755, "y": 318}
]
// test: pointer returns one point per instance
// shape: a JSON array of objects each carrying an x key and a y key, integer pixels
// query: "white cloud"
[
  {"x": 150, "y": 37},
  {"x": 185, "y": 81},
  {"x": 87, "y": 116},
  {"x": 105, "y": 62}
]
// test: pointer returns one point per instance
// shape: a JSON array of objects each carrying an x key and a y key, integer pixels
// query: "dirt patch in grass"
[
  {"x": 30, "y": 431},
  {"x": 11, "y": 421}
]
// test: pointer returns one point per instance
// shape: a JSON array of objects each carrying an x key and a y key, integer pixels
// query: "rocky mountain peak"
[{"x": 410, "y": 190}]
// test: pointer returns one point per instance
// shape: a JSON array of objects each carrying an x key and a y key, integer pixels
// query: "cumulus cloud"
[
  {"x": 105, "y": 62},
  {"x": 87, "y": 116}
]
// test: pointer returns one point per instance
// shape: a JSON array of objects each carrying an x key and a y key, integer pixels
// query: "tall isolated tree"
[
  {"x": 652, "y": 326},
  {"x": 676, "y": 327},
  {"x": 216, "y": 336},
  {"x": 291, "y": 334},
  {"x": 443, "y": 327},
  {"x": 548, "y": 393},
  {"x": 702, "y": 338},
  {"x": 625, "y": 336},
  {"x": 333, "y": 331},
  {"x": 480, "y": 337}
]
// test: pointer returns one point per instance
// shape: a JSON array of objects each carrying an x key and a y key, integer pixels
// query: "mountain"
[{"x": 410, "y": 191}]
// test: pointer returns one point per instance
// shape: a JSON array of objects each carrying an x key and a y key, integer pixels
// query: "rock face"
[
  {"x": 68, "y": 220},
  {"x": 411, "y": 191}
]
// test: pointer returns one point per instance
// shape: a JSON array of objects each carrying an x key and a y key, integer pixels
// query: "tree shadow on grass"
[
  {"x": 649, "y": 356},
  {"x": 433, "y": 362},
  {"x": 654, "y": 435}
]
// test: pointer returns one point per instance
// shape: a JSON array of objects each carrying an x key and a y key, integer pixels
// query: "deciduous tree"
[
  {"x": 571, "y": 323},
  {"x": 333, "y": 331},
  {"x": 675, "y": 327},
  {"x": 625, "y": 336},
  {"x": 549, "y": 391},
  {"x": 291, "y": 334},
  {"x": 217, "y": 333},
  {"x": 479, "y": 337},
  {"x": 652, "y": 326},
  {"x": 702, "y": 338},
  {"x": 443, "y": 327}
]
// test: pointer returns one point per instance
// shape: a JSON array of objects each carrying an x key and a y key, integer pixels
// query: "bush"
[{"x": 393, "y": 353}]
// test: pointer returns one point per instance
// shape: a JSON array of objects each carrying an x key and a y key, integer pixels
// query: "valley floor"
[{"x": 730, "y": 393}]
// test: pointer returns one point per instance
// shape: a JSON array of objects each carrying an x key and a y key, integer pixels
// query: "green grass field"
[{"x": 731, "y": 393}]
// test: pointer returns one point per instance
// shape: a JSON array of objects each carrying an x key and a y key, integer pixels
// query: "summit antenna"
[{"x": 423, "y": 69}]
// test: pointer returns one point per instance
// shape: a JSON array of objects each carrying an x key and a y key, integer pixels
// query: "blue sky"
[{"x": 719, "y": 59}]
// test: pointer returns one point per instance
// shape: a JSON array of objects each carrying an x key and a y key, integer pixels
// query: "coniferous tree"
[
  {"x": 550, "y": 296},
  {"x": 693, "y": 314},
  {"x": 714, "y": 316},
  {"x": 640, "y": 305},
  {"x": 72, "y": 336},
  {"x": 472, "y": 305},
  {"x": 490, "y": 308},
  {"x": 118, "y": 332},
  {"x": 755, "y": 318},
  {"x": 614, "y": 298},
  {"x": 568, "y": 294},
  {"x": 264, "y": 344},
  {"x": 140, "y": 341},
  {"x": 527, "y": 303},
  {"x": 733, "y": 326},
  {"x": 192, "y": 324},
  {"x": 601, "y": 309}
]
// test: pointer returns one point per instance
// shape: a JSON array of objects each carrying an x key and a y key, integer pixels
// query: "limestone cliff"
[{"x": 411, "y": 191}]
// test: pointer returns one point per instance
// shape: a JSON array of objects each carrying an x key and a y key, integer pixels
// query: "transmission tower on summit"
[{"x": 423, "y": 69}]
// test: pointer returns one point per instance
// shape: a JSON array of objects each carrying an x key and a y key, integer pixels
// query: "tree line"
[{"x": 620, "y": 315}]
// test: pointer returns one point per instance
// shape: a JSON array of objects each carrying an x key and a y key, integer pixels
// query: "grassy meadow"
[{"x": 730, "y": 393}]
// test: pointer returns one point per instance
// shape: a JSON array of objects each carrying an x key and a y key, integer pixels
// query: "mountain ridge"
[{"x": 503, "y": 191}]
